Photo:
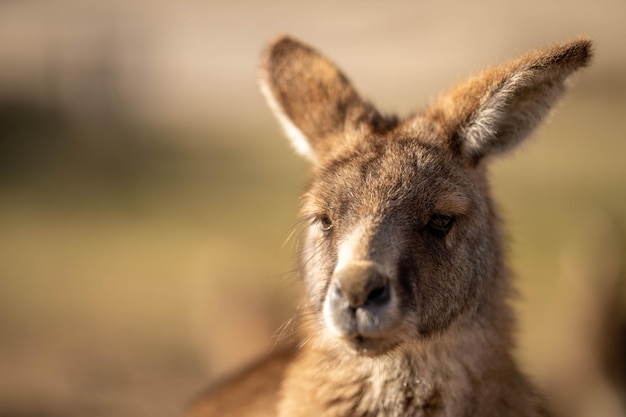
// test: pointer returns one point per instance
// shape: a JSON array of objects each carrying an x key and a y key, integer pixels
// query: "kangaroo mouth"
[{"x": 368, "y": 346}]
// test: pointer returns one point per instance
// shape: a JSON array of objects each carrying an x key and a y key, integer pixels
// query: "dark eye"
[
  {"x": 440, "y": 224},
  {"x": 326, "y": 222}
]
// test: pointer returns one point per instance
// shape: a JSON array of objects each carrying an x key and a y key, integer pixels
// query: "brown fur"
[{"x": 407, "y": 294}]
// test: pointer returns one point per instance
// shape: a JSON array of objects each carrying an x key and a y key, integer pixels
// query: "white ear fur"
[
  {"x": 503, "y": 119},
  {"x": 502, "y": 106},
  {"x": 298, "y": 140}
]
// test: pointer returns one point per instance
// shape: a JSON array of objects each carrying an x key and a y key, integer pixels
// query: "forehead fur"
[{"x": 381, "y": 175}]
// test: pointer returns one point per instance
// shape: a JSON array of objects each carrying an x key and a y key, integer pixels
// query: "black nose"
[{"x": 360, "y": 286}]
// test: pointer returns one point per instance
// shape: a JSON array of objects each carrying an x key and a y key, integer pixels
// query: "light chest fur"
[{"x": 466, "y": 375}]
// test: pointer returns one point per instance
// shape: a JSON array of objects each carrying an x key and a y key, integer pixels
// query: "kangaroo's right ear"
[{"x": 315, "y": 103}]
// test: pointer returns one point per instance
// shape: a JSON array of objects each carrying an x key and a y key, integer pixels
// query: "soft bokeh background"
[{"x": 146, "y": 191}]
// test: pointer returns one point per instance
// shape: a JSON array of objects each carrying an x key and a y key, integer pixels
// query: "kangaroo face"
[
  {"x": 398, "y": 243},
  {"x": 401, "y": 239}
]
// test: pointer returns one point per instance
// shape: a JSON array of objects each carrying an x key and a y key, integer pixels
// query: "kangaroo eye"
[
  {"x": 440, "y": 224},
  {"x": 326, "y": 222}
]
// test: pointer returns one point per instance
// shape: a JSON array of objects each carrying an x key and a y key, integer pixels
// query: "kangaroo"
[{"x": 406, "y": 309}]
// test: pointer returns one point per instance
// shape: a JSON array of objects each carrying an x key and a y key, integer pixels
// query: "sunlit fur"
[{"x": 406, "y": 308}]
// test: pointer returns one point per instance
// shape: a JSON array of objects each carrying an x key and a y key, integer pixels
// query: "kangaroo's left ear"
[{"x": 494, "y": 111}]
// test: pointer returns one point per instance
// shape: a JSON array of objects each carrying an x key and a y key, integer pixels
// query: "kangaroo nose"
[{"x": 359, "y": 285}]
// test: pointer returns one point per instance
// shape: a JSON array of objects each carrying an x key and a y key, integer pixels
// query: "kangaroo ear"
[
  {"x": 315, "y": 103},
  {"x": 494, "y": 111}
]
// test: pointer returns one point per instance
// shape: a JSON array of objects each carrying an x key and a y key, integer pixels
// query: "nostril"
[
  {"x": 379, "y": 294},
  {"x": 354, "y": 287}
]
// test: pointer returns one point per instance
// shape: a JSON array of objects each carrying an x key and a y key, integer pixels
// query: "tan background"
[{"x": 146, "y": 192}]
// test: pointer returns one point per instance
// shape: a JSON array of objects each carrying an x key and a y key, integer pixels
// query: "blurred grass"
[
  {"x": 572, "y": 168},
  {"x": 116, "y": 263}
]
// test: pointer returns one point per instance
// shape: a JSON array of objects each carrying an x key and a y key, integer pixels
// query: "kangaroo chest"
[{"x": 374, "y": 390}]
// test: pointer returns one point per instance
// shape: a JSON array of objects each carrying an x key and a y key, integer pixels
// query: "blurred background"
[{"x": 147, "y": 193}]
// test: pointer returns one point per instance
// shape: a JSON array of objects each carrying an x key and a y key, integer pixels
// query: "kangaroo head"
[{"x": 401, "y": 238}]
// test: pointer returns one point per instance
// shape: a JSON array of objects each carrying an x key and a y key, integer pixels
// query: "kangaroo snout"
[
  {"x": 359, "y": 286},
  {"x": 359, "y": 304}
]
